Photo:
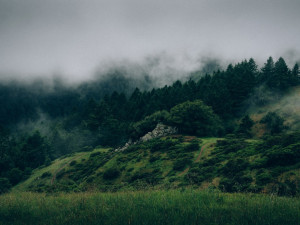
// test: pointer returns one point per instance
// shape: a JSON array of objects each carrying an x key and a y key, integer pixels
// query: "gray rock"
[{"x": 160, "y": 130}]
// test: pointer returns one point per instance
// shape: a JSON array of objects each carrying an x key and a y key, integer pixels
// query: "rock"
[{"x": 160, "y": 130}]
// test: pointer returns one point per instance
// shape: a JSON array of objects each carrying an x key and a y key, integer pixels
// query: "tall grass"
[{"x": 153, "y": 207}]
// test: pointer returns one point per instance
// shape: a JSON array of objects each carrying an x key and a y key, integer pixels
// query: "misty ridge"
[
  {"x": 43, "y": 120},
  {"x": 29, "y": 103},
  {"x": 34, "y": 94},
  {"x": 34, "y": 98}
]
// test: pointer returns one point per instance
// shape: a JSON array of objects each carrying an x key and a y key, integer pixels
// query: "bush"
[
  {"x": 111, "y": 173},
  {"x": 73, "y": 163},
  {"x": 95, "y": 154},
  {"x": 15, "y": 175},
  {"x": 195, "y": 118},
  {"x": 147, "y": 175},
  {"x": 263, "y": 178},
  {"x": 274, "y": 122},
  {"x": 193, "y": 146},
  {"x": 283, "y": 156},
  {"x": 148, "y": 124},
  {"x": 153, "y": 159},
  {"x": 46, "y": 174},
  {"x": 234, "y": 166},
  {"x": 181, "y": 163},
  {"x": 4, "y": 185},
  {"x": 161, "y": 145}
]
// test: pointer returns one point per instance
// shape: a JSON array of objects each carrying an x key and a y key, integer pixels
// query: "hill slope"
[{"x": 230, "y": 164}]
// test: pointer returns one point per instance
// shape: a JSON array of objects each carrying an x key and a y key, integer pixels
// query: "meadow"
[{"x": 185, "y": 206}]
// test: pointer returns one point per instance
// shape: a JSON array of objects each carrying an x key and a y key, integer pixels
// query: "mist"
[{"x": 78, "y": 39}]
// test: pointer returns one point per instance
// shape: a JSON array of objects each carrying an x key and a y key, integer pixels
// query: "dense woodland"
[{"x": 110, "y": 111}]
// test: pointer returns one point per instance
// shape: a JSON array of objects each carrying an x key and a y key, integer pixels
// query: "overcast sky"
[{"x": 75, "y": 37}]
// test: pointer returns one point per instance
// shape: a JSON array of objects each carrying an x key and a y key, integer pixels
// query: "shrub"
[
  {"x": 195, "y": 118},
  {"x": 153, "y": 159},
  {"x": 283, "y": 156},
  {"x": 264, "y": 178},
  {"x": 193, "y": 146},
  {"x": 234, "y": 166},
  {"x": 4, "y": 185},
  {"x": 130, "y": 169},
  {"x": 147, "y": 175},
  {"x": 46, "y": 174},
  {"x": 161, "y": 145},
  {"x": 111, "y": 173},
  {"x": 181, "y": 163},
  {"x": 95, "y": 154},
  {"x": 15, "y": 175},
  {"x": 274, "y": 122},
  {"x": 73, "y": 163}
]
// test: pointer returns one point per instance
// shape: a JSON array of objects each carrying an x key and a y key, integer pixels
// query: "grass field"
[{"x": 151, "y": 207}]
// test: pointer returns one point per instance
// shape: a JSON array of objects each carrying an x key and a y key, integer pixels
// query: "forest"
[{"x": 40, "y": 122}]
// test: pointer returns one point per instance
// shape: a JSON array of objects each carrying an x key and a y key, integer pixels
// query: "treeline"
[
  {"x": 95, "y": 114},
  {"x": 226, "y": 92}
]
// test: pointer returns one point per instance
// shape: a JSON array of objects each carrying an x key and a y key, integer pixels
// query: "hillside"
[
  {"x": 287, "y": 106},
  {"x": 230, "y": 164},
  {"x": 240, "y": 102}
]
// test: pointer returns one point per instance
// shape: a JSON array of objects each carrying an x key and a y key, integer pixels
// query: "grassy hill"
[{"x": 231, "y": 165}]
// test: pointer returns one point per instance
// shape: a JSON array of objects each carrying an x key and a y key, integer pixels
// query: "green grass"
[
  {"x": 151, "y": 207},
  {"x": 53, "y": 168}
]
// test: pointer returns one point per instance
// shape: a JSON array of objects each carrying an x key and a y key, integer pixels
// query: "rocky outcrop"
[{"x": 160, "y": 130}]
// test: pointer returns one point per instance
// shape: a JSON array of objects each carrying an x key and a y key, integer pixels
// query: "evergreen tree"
[
  {"x": 267, "y": 72},
  {"x": 245, "y": 126},
  {"x": 282, "y": 77},
  {"x": 295, "y": 75}
]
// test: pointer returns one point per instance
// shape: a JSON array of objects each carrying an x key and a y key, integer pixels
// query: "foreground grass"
[{"x": 153, "y": 207}]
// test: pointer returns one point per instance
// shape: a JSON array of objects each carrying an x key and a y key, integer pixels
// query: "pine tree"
[
  {"x": 295, "y": 74},
  {"x": 267, "y": 72},
  {"x": 282, "y": 76}
]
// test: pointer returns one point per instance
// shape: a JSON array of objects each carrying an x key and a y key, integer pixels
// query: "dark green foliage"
[
  {"x": 295, "y": 74},
  {"x": 238, "y": 183},
  {"x": 283, "y": 156},
  {"x": 230, "y": 145},
  {"x": 5, "y": 185},
  {"x": 195, "y": 176},
  {"x": 73, "y": 163},
  {"x": 34, "y": 151},
  {"x": 232, "y": 167},
  {"x": 111, "y": 173},
  {"x": 263, "y": 178},
  {"x": 286, "y": 188},
  {"x": 277, "y": 76},
  {"x": 46, "y": 174},
  {"x": 180, "y": 164},
  {"x": 245, "y": 126},
  {"x": 15, "y": 175},
  {"x": 193, "y": 146},
  {"x": 153, "y": 159},
  {"x": 274, "y": 122},
  {"x": 161, "y": 145},
  {"x": 150, "y": 176},
  {"x": 195, "y": 118},
  {"x": 148, "y": 123}
]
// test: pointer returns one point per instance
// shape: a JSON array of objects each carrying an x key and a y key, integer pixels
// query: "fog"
[{"x": 78, "y": 38}]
